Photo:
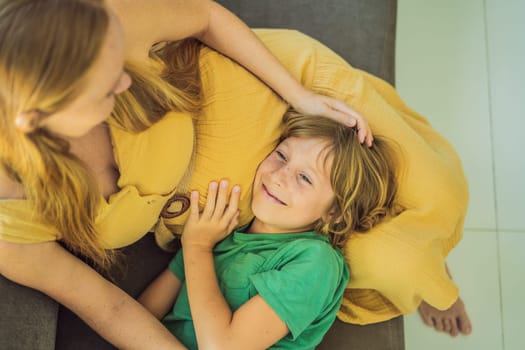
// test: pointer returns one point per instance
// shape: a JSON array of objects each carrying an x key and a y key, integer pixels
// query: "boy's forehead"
[{"x": 318, "y": 151}]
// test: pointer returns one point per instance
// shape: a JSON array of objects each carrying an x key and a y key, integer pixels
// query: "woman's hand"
[
  {"x": 219, "y": 217},
  {"x": 311, "y": 103}
]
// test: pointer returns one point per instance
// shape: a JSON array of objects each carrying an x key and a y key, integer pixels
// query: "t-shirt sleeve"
[
  {"x": 305, "y": 286},
  {"x": 16, "y": 225},
  {"x": 177, "y": 265}
]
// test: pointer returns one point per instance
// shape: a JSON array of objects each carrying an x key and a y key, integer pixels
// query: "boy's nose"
[{"x": 281, "y": 175}]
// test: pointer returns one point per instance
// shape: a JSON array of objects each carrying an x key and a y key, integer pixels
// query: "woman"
[{"x": 60, "y": 179}]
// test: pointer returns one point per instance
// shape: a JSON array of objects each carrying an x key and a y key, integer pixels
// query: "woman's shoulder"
[{"x": 149, "y": 22}]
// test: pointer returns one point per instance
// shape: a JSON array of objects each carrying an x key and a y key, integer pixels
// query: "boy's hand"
[{"x": 219, "y": 217}]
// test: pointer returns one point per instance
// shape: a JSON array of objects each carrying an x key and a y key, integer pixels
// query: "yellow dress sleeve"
[
  {"x": 151, "y": 165},
  {"x": 16, "y": 225}
]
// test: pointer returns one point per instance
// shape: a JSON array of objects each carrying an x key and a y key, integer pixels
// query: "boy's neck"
[
  {"x": 254, "y": 227},
  {"x": 257, "y": 226}
]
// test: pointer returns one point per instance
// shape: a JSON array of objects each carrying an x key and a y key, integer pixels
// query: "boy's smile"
[{"x": 271, "y": 195}]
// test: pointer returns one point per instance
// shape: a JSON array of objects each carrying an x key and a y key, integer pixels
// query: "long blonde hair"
[
  {"x": 46, "y": 49},
  {"x": 362, "y": 178}
]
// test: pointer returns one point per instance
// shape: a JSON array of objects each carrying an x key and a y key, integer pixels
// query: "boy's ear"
[{"x": 332, "y": 217}]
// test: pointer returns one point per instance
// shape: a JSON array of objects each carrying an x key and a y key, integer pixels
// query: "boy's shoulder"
[{"x": 313, "y": 250}]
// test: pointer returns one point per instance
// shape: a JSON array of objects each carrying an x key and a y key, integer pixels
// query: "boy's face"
[{"x": 292, "y": 189}]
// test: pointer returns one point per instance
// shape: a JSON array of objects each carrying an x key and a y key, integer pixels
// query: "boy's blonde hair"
[
  {"x": 47, "y": 48},
  {"x": 362, "y": 178}
]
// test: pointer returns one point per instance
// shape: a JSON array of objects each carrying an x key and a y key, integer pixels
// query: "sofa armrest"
[{"x": 361, "y": 31}]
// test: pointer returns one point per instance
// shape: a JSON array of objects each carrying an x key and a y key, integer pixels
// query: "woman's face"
[{"x": 94, "y": 104}]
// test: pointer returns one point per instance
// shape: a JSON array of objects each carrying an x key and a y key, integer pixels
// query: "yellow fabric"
[
  {"x": 151, "y": 164},
  {"x": 393, "y": 267},
  {"x": 399, "y": 262}
]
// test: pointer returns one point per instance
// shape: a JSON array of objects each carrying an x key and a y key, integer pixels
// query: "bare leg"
[{"x": 453, "y": 321}]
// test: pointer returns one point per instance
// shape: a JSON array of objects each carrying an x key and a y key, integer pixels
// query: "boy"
[{"x": 279, "y": 281}]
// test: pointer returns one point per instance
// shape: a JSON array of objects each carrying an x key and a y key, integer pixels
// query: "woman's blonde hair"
[
  {"x": 46, "y": 50},
  {"x": 362, "y": 178}
]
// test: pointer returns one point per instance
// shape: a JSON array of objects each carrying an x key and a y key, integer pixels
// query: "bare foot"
[{"x": 452, "y": 321}]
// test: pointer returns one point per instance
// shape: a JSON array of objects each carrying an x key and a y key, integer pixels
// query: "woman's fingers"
[
  {"x": 349, "y": 115},
  {"x": 364, "y": 133},
  {"x": 340, "y": 111}
]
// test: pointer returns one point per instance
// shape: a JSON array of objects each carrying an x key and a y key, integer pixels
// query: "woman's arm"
[
  {"x": 148, "y": 22},
  {"x": 112, "y": 313},
  {"x": 160, "y": 295}
]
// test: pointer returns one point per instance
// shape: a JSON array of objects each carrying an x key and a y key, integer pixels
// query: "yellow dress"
[{"x": 393, "y": 267}]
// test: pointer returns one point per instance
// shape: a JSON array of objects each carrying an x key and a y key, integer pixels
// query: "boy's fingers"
[
  {"x": 233, "y": 205},
  {"x": 222, "y": 198},
  {"x": 194, "y": 204},
  {"x": 234, "y": 222},
  {"x": 210, "y": 200}
]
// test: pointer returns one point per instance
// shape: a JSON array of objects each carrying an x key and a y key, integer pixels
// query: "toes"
[
  {"x": 425, "y": 315},
  {"x": 427, "y": 319},
  {"x": 438, "y": 324},
  {"x": 454, "y": 327},
  {"x": 452, "y": 321},
  {"x": 447, "y": 325},
  {"x": 464, "y": 325}
]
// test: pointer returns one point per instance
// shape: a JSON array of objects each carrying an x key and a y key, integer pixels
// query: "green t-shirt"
[{"x": 300, "y": 275}]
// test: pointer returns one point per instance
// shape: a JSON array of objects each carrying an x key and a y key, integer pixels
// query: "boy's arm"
[
  {"x": 160, "y": 295},
  {"x": 253, "y": 326}
]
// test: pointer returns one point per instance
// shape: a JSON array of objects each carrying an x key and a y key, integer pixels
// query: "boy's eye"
[
  {"x": 305, "y": 178},
  {"x": 280, "y": 155}
]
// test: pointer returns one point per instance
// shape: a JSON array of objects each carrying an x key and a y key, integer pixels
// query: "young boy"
[{"x": 279, "y": 281}]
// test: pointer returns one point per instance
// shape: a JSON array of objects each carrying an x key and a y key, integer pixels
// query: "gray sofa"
[{"x": 361, "y": 31}]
